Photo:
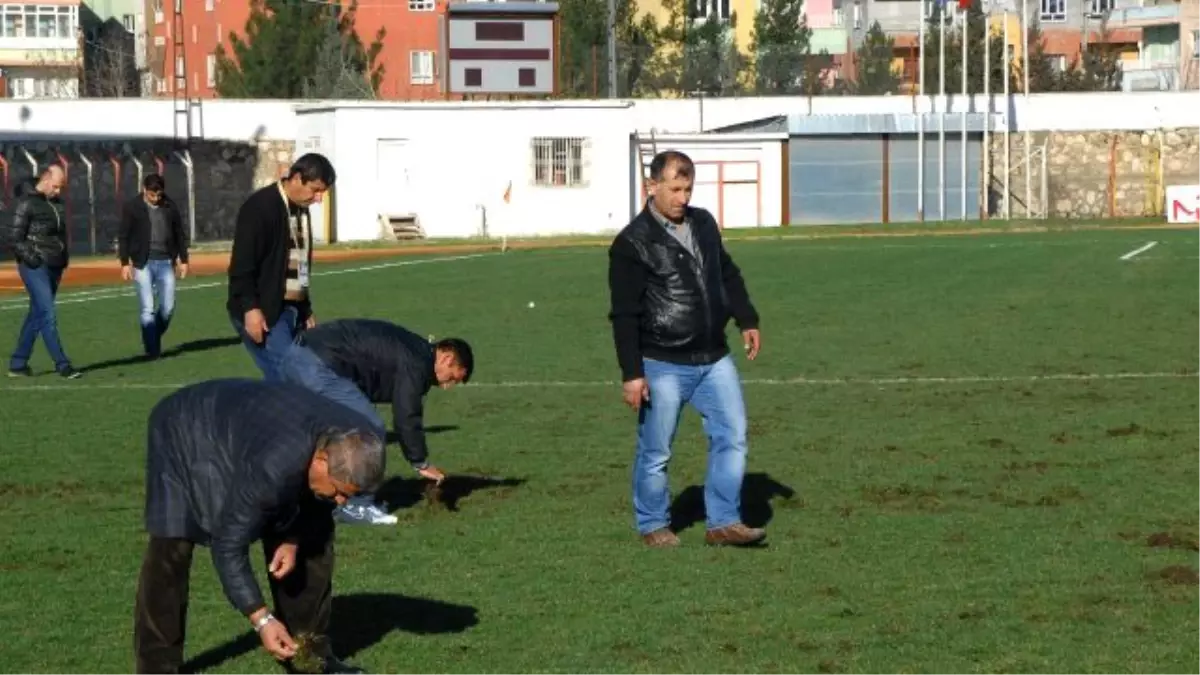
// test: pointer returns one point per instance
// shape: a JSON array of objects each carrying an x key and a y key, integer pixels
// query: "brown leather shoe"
[
  {"x": 661, "y": 538},
  {"x": 735, "y": 535}
]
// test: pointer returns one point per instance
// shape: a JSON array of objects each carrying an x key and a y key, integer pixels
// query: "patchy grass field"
[{"x": 971, "y": 454}]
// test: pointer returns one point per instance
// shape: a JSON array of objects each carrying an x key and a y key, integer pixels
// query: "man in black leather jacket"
[
  {"x": 37, "y": 236},
  {"x": 673, "y": 290}
]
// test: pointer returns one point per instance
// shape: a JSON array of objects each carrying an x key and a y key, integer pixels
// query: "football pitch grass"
[{"x": 971, "y": 454}]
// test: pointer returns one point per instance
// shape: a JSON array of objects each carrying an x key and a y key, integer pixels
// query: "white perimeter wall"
[
  {"x": 458, "y": 159},
  {"x": 247, "y": 120}
]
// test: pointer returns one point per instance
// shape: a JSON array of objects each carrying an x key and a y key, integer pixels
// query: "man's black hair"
[
  {"x": 313, "y": 166},
  {"x": 462, "y": 354},
  {"x": 684, "y": 166},
  {"x": 154, "y": 183}
]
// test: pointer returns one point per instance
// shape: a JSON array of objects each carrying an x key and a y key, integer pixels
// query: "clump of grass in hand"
[
  {"x": 310, "y": 653},
  {"x": 433, "y": 497}
]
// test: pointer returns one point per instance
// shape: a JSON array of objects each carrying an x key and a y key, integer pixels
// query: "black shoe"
[
  {"x": 330, "y": 664},
  {"x": 20, "y": 372},
  {"x": 335, "y": 665},
  {"x": 70, "y": 373}
]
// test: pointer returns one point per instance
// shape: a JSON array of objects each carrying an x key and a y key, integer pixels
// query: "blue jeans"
[
  {"x": 715, "y": 391},
  {"x": 156, "y": 278},
  {"x": 301, "y": 366},
  {"x": 42, "y": 285},
  {"x": 279, "y": 340}
]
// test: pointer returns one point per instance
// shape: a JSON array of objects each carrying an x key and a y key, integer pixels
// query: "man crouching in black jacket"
[
  {"x": 674, "y": 289},
  {"x": 360, "y": 362}
]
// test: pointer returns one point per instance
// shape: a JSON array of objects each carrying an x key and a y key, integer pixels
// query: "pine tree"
[
  {"x": 280, "y": 53},
  {"x": 780, "y": 44},
  {"x": 873, "y": 59}
]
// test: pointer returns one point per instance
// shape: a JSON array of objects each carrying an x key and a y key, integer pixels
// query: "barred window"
[{"x": 560, "y": 162}]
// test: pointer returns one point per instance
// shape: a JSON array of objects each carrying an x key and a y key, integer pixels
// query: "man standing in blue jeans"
[
  {"x": 361, "y": 362},
  {"x": 269, "y": 267},
  {"x": 150, "y": 241},
  {"x": 673, "y": 289},
  {"x": 38, "y": 238}
]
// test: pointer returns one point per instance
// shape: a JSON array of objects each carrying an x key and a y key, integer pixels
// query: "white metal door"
[{"x": 393, "y": 178}]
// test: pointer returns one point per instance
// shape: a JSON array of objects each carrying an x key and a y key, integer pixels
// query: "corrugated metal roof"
[
  {"x": 880, "y": 123},
  {"x": 773, "y": 124}
]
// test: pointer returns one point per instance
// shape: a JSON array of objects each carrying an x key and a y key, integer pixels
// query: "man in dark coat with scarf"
[{"x": 233, "y": 461}]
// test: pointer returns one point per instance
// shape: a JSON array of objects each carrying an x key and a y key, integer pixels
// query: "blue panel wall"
[{"x": 840, "y": 179}]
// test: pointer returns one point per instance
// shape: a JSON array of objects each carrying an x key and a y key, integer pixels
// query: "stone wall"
[
  {"x": 1094, "y": 174},
  {"x": 225, "y": 173}
]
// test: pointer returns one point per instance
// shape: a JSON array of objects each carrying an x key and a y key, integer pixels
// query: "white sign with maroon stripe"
[{"x": 501, "y": 47}]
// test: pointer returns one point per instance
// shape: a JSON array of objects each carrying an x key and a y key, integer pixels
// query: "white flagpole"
[
  {"x": 962, "y": 167},
  {"x": 1025, "y": 76},
  {"x": 1007, "y": 121},
  {"x": 921, "y": 115},
  {"x": 942, "y": 110},
  {"x": 986, "y": 193}
]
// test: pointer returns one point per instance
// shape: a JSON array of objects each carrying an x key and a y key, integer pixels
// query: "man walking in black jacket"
[
  {"x": 269, "y": 268},
  {"x": 153, "y": 247},
  {"x": 673, "y": 290},
  {"x": 361, "y": 362},
  {"x": 229, "y": 462},
  {"x": 38, "y": 239}
]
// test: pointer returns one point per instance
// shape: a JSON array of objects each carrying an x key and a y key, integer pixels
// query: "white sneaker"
[{"x": 364, "y": 514}]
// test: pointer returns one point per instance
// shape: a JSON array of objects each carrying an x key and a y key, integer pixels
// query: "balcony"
[
  {"x": 38, "y": 51},
  {"x": 1140, "y": 17}
]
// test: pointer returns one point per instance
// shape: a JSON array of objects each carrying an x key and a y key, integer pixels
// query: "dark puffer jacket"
[{"x": 37, "y": 233}]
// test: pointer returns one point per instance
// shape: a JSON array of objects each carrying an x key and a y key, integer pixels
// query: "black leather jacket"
[
  {"x": 668, "y": 304},
  {"x": 37, "y": 233}
]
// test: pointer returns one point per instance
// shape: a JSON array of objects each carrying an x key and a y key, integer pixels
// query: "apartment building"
[
  {"x": 40, "y": 54},
  {"x": 409, "y": 55},
  {"x": 113, "y": 34}
]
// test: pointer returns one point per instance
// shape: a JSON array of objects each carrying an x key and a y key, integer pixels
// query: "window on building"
[
  {"x": 705, "y": 9},
  {"x": 208, "y": 5},
  {"x": 1196, "y": 44},
  {"x": 1052, "y": 10},
  {"x": 179, "y": 67},
  {"x": 128, "y": 22},
  {"x": 560, "y": 162},
  {"x": 210, "y": 63},
  {"x": 1058, "y": 62},
  {"x": 195, "y": 34},
  {"x": 1100, "y": 7},
  {"x": 157, "y": 5},
  {"x": 39, "y": 21},
  {"x": 220, "y": 34},
  {"x": 421, "y": 5},
  {"x": 420, "y": 69}
]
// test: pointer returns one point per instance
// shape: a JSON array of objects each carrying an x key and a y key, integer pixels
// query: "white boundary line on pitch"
[
  {"x": 791, "y": 381},
  {"x": 118, "y": 292},
  {"x": 1140, "y": 249}
]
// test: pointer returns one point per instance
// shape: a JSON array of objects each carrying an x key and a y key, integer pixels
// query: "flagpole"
[
  {"x": 985, "y": 208},
  {"x": 1025, "y": 95},
  {"x": 962, "y": 166},
  {"x": 942, "y": 111},
  {"x": 921, "y": 115},
  {"x": 1007, "y": 120}
]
